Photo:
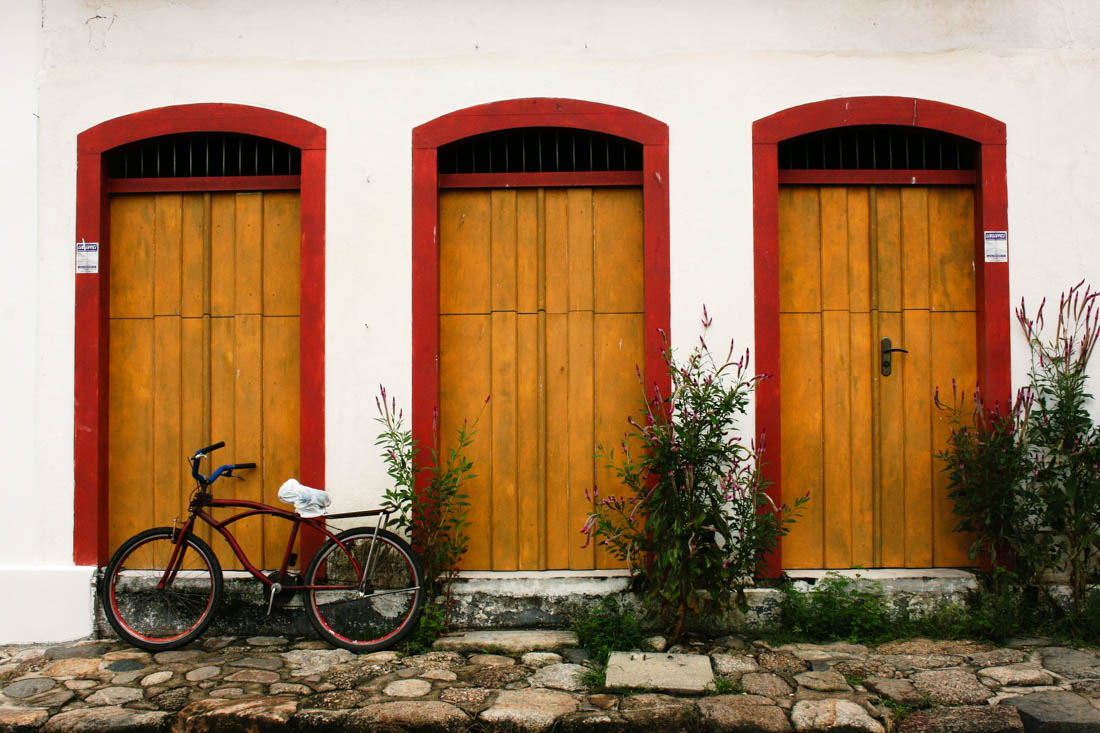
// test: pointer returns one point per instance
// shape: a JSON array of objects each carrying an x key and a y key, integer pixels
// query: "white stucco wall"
[{"x": 369, "y": 72}]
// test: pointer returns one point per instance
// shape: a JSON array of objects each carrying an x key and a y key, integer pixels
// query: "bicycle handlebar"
[
  {"x": 226, "y": 470},
  {"x": 209, "y": 448}
]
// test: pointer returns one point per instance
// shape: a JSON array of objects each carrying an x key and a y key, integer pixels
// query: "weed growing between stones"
[
  {"x": 607, "y": 628},
  {"x": 901, "y": 711},
  {"x": 429, "y": 627},
  {"x": 695, "y": 520},
  {"x": 428, "y": 502},
  {"x": 836, "y": 608},
  {"x": 723, "y": 686}
]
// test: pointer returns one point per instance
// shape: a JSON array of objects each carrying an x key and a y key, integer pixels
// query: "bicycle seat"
[{"x": 307, "y": 502}]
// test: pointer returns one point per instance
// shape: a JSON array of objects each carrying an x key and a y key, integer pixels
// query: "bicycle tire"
[
  {"x": 376, "y": 620},
  {"x": 158, "y": 619}
]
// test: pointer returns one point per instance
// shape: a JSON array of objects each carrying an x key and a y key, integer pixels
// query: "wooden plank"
[
  {"x": 914, "y": 247},
  {"x": 952, "y": 249},
  {"x": 167, "y": 497},
  {"x": 503, "y": 250},
  {"x": 556, "y": 350},
  {"x": 249, "y": 253},
  {"x": 282, "y": 236},
  {"x": 222, "y": 413},
  {"x": 887, "y": 264},
  {"x": 580, "y": 246},
  {"x": 890, "y": 454},
  {"x": 916, "y": 385},
  {"x": 619, "y": 349},
  {"x": 836, "y": 434},
  {"x": 834, "y": 248},
  {"x": 799, "y": 249},
  {"x": 953, "y": 358},
  {"x": 863, "y": 381},
  {"x": 464, "y": 383},
  {"x": 504, "y": 448},
  {"x": 195, "y": 256},
  {"x": 223, "y": 254},
  {"x": 280, "y": 450},
  {"x": 556, "y": 251},
  {"x": 528, "y": 251},
  {"x": 167, "y": 253},
  {"x": 580, "y": 436},
  {"x": 464, "y": 248},
  {"x": 530, "y": 434},
  {"x": 247, "y": 442},
  {"x": 194, "y": 397},
  {"x": 132, "y": 236},
  {"x": 801, "y": 457},
  {"x": 130, "y": 428},
  {"x": 618, "y": 266},
  {"x": 859, "y": 250}
]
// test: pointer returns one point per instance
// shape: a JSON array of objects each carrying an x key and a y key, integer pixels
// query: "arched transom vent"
[
  {"x": 200, "y": 154},
  {"x": 880, "y": 147},
  {"x": 540, "y": 150}
]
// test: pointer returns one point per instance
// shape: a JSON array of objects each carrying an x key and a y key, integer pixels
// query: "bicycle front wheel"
[
  {"x": 155, "y": 606},
  {"x": 364, "y": 616}
]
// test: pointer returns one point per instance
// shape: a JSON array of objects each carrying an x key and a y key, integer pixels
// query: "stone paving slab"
[
  {"x": 508, "y": 642},
  {"x": 688, "y": 674},
  {"x": 499, "y": 684}
]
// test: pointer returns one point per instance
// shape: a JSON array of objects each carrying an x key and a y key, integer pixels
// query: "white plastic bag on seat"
[{"x": 307, "y": 502}]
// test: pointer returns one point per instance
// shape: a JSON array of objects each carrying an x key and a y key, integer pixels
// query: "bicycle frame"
[{"x": 253, "y": 509}]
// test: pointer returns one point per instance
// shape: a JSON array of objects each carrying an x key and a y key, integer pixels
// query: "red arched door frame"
[
  {"x": 536, "y": 112},
  {"x": 991, "y": 214},
  {"x": 93, "y": 225}
]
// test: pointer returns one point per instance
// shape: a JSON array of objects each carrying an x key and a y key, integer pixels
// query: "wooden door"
[
  {"x": 859, "y": 264},
  {"x": 203, "y": 347},
  {"x": 541, "y": 307}
]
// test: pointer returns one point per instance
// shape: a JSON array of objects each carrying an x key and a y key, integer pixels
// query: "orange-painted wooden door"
[
  {"x": 541, "y": 307},
  {"x": 859, "y": 264},
  {"x": 203, "y": 347}
]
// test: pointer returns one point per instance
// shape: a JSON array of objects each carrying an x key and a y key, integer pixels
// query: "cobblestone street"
[{"x": 511, "y": 680}]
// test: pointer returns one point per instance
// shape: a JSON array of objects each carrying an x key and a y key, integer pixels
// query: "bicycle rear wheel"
[
  {"x": 387, "y": 608},
  {"x": 157, "y": 615}
]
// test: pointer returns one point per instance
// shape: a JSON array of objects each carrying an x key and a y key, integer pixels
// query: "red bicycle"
[{"x": 362, "y": 590}]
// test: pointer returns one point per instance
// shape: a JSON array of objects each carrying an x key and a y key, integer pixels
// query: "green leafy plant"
[
  {"x": 429, "y": 627},
  {"x": 837, "y": 607},
  {"x": 1064, "y": 444},
  {"x": 987, "y": 464},
  {"x": 607, "y": 628},
  {"x": 433, "y": 513},
  {"x": 695, "y": 520}
]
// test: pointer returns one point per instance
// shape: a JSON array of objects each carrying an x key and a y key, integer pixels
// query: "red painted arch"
[
  {"x": 991, "y": 214},
  {"x": 93, "y": 225},
  {"x": 536, "y": 112}
]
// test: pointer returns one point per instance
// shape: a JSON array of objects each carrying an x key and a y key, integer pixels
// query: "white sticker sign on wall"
[
  {"x": 996, "y": 246},
  {"x": 87, "y": 257}
]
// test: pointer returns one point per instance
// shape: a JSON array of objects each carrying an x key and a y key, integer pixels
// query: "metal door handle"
[{"x": 886, "y": 358}]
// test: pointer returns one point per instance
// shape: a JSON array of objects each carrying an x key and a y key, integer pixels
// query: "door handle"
[{"x": 886, "y": 358}]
